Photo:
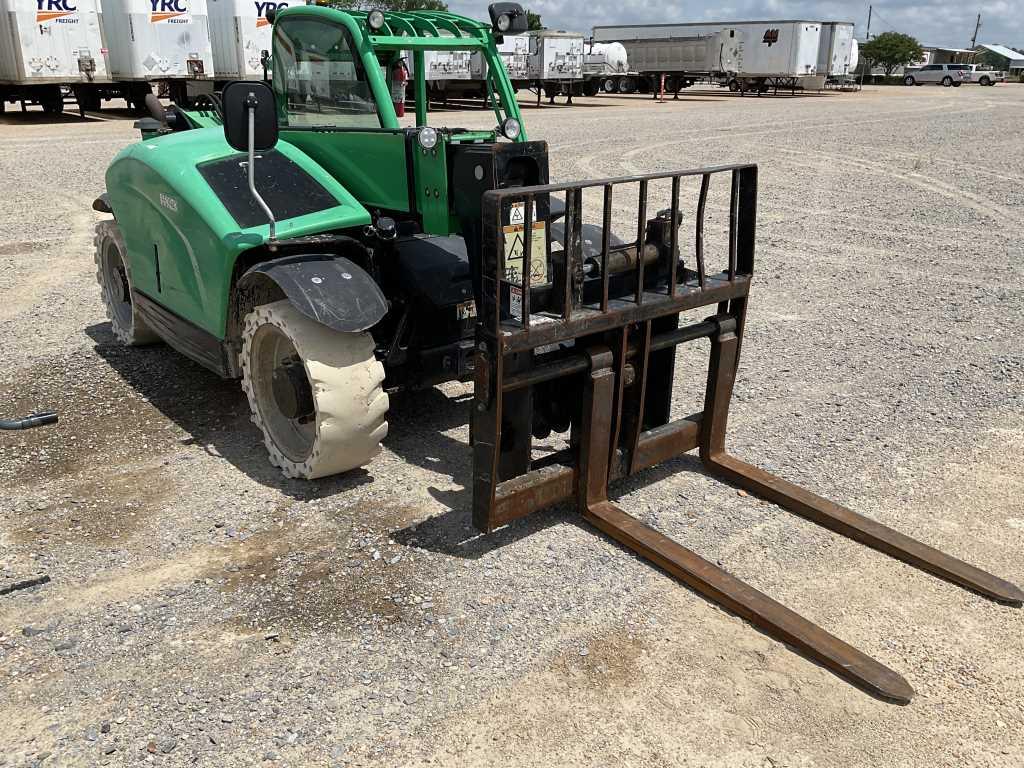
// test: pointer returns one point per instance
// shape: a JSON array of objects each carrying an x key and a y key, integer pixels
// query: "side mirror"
[
  {"x": 249, "y": 106},
  {"x": 250, "y": 125},
  {"x": 508, "y": 18}
]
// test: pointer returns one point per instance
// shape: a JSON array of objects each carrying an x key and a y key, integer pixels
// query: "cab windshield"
[{"x": 319, "y": 79}]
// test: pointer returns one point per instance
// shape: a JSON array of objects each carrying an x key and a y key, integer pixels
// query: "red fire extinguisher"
[{"x": 399, "y": 77}]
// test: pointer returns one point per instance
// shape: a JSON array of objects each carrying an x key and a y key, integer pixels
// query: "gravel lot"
[{"x": 205, "y": 611}]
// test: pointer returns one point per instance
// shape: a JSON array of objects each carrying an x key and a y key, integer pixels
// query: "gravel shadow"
[{"x": 213, "y": 411}]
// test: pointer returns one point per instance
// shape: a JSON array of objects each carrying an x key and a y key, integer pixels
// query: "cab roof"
[{"x": 419, "y": 29}]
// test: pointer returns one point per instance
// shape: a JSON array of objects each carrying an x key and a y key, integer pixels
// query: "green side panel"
[
  {"x": 202, "y": 118},
  {"x": 172, "y": 220},
  {"x": 431, "y": 174},
  {"x": 371, "y": 164}
]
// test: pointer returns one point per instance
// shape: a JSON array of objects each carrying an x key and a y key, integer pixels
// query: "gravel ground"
[{"x": 204, "y": 611}]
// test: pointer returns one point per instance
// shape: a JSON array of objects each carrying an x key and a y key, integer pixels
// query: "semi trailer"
[
  {"x": 48, "y": 45},
  {"x": 240, "y": 37},
  {"x": 166, "y": 42},
  {"x": 744, "y": 55},
  {"x": 109, "y": 50}
]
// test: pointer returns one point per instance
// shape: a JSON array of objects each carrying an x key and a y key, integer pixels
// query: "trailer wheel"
[
  {"x": 626, "y": 85},
  {"x": 115, "y": 282},
  {"x": 315, "y": 393},
  {"x": 609, "y": 85},
  {"x": 909, "y": 80},
  {"x": 734, "y": 85}
]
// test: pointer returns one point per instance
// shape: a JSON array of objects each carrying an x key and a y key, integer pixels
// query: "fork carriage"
[{"x": 593, "y": 355}]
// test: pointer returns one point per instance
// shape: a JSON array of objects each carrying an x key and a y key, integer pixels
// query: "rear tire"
[
  {"x": 115, "y": 282},
  {"x": 335, "y": 425},
  {"x": 947, "y": 81}
]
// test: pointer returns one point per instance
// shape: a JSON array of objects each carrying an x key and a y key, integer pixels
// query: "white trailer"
[
  {"x": 449, "y": 74},
  {"x": 743, "y": 54},
  {"x": 46, "y": 44},
  {"x": 165, "y": 41},
  {"x": 515, "y": 54},
  {"x": 555, "y": 56},
  {"x": 837, "y": 52},
  {"x": 555, "y": 62},
  {"x": 239, "y": 34}
]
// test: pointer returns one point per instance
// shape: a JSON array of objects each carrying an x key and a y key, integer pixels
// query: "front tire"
[
  {"x": 985, "y": 81},
  {"x": 947, "y": 81},
  {"x": 115, "y": 281},
  {"x": 909, "y": 80},
  {"x": 315, "y": 393}
]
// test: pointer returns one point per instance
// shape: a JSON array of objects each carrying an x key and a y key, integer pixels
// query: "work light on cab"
[
  {"x": 510, "y": 128},
  {"x": 427, "y": 137},
  {"x": 375, "y": 20},
  {"x": 507, "y": 18}
]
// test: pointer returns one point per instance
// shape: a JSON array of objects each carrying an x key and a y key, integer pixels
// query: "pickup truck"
[{"x": 982, "y": 75}]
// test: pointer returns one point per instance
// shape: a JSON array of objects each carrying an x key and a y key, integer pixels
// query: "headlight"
[
  {"x": 427, "y": 137},
  {"x": 375, "y": 20},
  {"x": 504, "y": 22},
  {"x": 510, "y": 128}
]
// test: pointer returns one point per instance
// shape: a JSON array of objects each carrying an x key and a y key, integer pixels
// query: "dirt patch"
[
  {"x": 114, "y": 404},
  {"x": 20, "y": 248},
  {"x": 303, "y": 577},
  {"x": 96, "y": 512}
]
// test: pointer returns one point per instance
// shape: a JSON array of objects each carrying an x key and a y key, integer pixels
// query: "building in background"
[{"x": 1002, "y": 58}]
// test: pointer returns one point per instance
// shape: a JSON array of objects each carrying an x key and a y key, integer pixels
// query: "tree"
[
  {"x": 890, "y": 50},
  {"x": 533, "y": 20}
]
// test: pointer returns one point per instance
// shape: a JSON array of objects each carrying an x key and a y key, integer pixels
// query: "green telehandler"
[{"x": 295, "y": 236}]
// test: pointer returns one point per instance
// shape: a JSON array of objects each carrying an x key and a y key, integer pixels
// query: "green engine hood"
[{"x": 196, "y": 174}]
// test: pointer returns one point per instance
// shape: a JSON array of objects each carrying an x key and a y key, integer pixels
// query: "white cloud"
[{"x": 932, "y": 22}]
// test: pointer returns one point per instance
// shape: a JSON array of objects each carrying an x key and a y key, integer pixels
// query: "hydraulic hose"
[{"x": 35, "y": 420}]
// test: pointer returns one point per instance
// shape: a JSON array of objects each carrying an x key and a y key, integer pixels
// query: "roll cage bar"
[{"x": 418, "y": 31}]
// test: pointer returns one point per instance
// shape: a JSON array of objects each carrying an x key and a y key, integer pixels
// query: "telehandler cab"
[{"x": 298, "y": 238}]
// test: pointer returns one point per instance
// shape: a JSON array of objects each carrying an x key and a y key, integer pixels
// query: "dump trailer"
[
  {"x": 49, "y": 44},
  {"x": 744, "y": 55},
  {"x": 299, "y": 239},
  {"x": 163, "y": 42}
]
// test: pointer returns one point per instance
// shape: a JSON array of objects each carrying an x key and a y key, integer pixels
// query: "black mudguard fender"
[{"x": 329, "y": 289}]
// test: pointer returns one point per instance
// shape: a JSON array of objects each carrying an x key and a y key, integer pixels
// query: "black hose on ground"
[{"x": 35, "y": 420}]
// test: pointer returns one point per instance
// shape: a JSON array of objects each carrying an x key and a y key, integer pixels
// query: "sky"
[{"x": 932, "y": 22}]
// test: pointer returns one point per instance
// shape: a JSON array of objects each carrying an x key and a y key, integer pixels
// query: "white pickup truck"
[{"x": 983, "y": 75}]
